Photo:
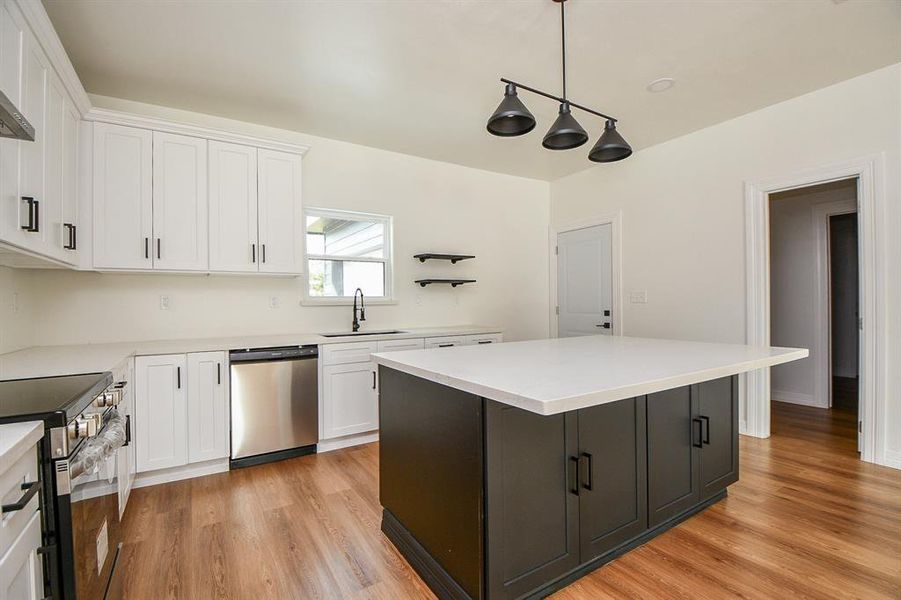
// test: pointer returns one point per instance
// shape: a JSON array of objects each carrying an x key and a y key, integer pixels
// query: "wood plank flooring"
[{"x": 806, "y": 520}]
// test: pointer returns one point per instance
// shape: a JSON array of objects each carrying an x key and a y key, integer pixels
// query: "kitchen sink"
[{"x": 358, "y": 333}]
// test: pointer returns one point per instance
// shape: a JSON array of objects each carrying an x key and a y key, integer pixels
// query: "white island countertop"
[{"x": 558, "y": 375}]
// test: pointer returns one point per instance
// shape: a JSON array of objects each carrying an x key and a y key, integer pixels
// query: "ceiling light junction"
[{"x": 512, "y": 118}]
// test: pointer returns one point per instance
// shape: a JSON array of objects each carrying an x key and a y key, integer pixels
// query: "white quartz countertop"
[
  {"x": 47, "y": 361},
  {"x": 552, "y": 376},
  {"x": 16, "y": 439}
]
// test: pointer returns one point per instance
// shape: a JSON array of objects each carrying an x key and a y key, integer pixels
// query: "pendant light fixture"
[{"x": 512, "y": 118}]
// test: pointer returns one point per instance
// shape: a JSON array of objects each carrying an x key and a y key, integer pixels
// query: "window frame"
[{"x": 387, "y": 222}]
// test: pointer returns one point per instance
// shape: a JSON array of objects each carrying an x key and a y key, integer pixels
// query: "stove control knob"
[
  {"x": 113, "y": 397},
  {"x": 82, "y": 427}
]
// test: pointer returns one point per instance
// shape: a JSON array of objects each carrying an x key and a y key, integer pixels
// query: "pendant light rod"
[
  {"x": 559, "y": 99},
  {"x": 563, "y": 42}
]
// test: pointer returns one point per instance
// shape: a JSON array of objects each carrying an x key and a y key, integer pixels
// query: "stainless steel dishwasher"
[{"x": 274, "y": 404}]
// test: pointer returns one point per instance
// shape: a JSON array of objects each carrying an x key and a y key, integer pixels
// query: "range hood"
[{"x": 12, "y": 123}]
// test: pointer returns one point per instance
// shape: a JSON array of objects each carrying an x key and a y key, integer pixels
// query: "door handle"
[
  {"x": 253, "y": 253},
  {"x": 705, "y": 430},
  {"x": 218, "y": 373},
  {"x": 178, "y": 378},
  {"x": 574, "y": 471},
  {"x": 373, "y": 380},
  {"x": 30, "y": 488},
  {"x": 74, "y": 237},
  {"x": 263, "y": 248},
  {"x": 146, "y": 247},
  {"x": 700, "y": 424},
  {"x": 590, "y": 459},
  {"x": 32, "y": 218},
  {"x": 159, "y": 243}
]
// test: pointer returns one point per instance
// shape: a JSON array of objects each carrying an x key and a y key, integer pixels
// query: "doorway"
[
  {"x": 814, "y": 303},
  {"x": 585, "y": 296}
]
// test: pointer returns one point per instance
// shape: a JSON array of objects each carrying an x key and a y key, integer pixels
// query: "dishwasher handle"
[{"x": 280, "y": 353}]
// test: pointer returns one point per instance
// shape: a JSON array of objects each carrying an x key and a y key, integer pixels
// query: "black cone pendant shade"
[
  {"x": 565, "y": 133},
  {"x": 611, "y": 147},
  {"x": 511, "y": 117}
]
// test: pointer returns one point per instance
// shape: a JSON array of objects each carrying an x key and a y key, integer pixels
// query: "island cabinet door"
[
  {"x": 718, "y": 411},
  {"x": 613, "y": 491},
  {"x": 532, "y": 502},
  {"x": 673, "y": 437}
]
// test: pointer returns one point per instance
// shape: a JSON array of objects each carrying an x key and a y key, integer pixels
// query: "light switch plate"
[
  {"x": 638, "y": 297},
  {"x": 274, "y": 302},
  {"x": 164, "y": 302}
]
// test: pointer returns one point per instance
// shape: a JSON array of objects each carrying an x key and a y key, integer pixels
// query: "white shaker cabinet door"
[
  {"x": 208, "y": 415},
  {"x": 280, "y": 213},
  {"x": 233, "y": 208},
  {"x": 21, "y": 574},
  {"x": 122, "y": 197},
  {"x": 33, "y": 205},
  {"x": 161, "y": 411},
  {"x": 12, "y": 36},
  {"x": 180, "y": 203},
  {"x": 350, "y": 399}
]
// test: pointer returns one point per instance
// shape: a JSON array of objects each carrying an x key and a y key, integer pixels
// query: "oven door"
[{"x": 91, "y": 518}]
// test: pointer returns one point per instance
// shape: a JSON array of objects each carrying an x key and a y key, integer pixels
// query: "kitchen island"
[{"x": 511, "y": 470}]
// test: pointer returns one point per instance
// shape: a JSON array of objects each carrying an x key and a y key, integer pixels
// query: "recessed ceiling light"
[{"x": 661, "y": 85}]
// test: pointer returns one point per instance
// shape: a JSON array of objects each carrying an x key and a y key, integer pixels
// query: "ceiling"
[{"x": 421, "y": 77}]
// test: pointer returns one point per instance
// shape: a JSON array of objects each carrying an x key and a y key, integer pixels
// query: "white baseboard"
[
  {"x": 893, "y": 459},
  {"x": 796, "y": 398},
  {"x": 347, "y": 441},
  {"x": 220, "y": 465},
  {"x": 743, "y": 427}
]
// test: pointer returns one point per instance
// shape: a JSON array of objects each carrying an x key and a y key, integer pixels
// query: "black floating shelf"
[
  {"x": 451, "y": 257},
  {"x": 452, "y": 282}
]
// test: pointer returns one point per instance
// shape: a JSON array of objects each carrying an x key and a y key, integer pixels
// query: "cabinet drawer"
[
  {"x": 486, "y": 338},
  {"x": 444, "y": 342},
  {"x": 24, "y": 470},
  {"x": 394, "y": 345},
  {"x": 351, "y": 352}
]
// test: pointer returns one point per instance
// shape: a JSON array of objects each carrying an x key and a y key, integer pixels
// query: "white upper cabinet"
[
  {"x": 122, "y": 197},
  {"x": 280, "y": 212},
  {"x": 12, "y": 36},
  {"x": 52, "y": 205},
  {"x": 234, "y": 246},
  {"x": 33, "y": 204},
  {"x": 70, "y": 241},
  {"x": 180, "y": 203}
]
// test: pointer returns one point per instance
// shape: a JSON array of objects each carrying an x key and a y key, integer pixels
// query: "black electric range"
[{"x": 79, "y": 503}]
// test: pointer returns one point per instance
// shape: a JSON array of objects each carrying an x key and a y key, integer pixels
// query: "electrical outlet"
[
  {"x": 164, "y": 302},
  {"x": 273, "y": 302},
  {"x": 638, "y": 297}
]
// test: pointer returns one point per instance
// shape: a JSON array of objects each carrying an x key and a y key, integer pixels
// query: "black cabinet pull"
[
  {"x": 219, "y": 373},
  {"x": 373, "y": 380},
  {"x": 127, "y": 430},
  {"x": 159, "y": 243},
  {"x": 590, "y": 459},
  {"x": 146, "y": 247},
  {"x": 71, "y": 243},
  {"x": 445, "y": 345},
  {"x": 31, "y": 214},
  {"x": 574, "y": 472},
  {"x": 700, "y": 443},
  {"x": 37, "y": 217},
  {"x": 178, "y": 377},
  {"x": 705, "y": 430},
  {"x": 263, "y": 247},
  {"x": 74, "y": 237},
  {"x": 31, "y": 488},
  {"x": 253, "y": 253},
  {"x": 484, "y": 342}
]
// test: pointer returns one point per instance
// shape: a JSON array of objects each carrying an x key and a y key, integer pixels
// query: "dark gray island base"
[{"x": 489, "y": 501}]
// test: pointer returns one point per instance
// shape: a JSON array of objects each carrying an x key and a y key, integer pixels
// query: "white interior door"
[{"x": 585, "y": 281}]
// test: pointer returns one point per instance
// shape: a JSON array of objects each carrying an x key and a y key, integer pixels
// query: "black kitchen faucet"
[{"x": 362, "y": 309}]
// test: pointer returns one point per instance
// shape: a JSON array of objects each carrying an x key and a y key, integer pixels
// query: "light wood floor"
[{"x": 807, "y": 520}]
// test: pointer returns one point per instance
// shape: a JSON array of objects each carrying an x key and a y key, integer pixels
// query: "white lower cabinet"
[
  {"x": 126, "y": 458},
  {"x": 207, "y": 406},
  {"x": 350, "y": 399},
  {"x": 161, "y": 411},
  {"x": 21, "y": 575},
  {"x": 181, "y": 409},
  {"x": 445, "y": 342}
]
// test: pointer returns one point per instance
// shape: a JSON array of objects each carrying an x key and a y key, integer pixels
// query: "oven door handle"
[{"x": 30, "y": 488}]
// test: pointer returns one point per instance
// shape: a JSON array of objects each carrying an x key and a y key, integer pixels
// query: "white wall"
[
  {"x": 793, "y": 285},
  {"x": 683, "y": 210},
  {"x": 16, "y": 309},
  {"x": 436, "y": 207}
]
